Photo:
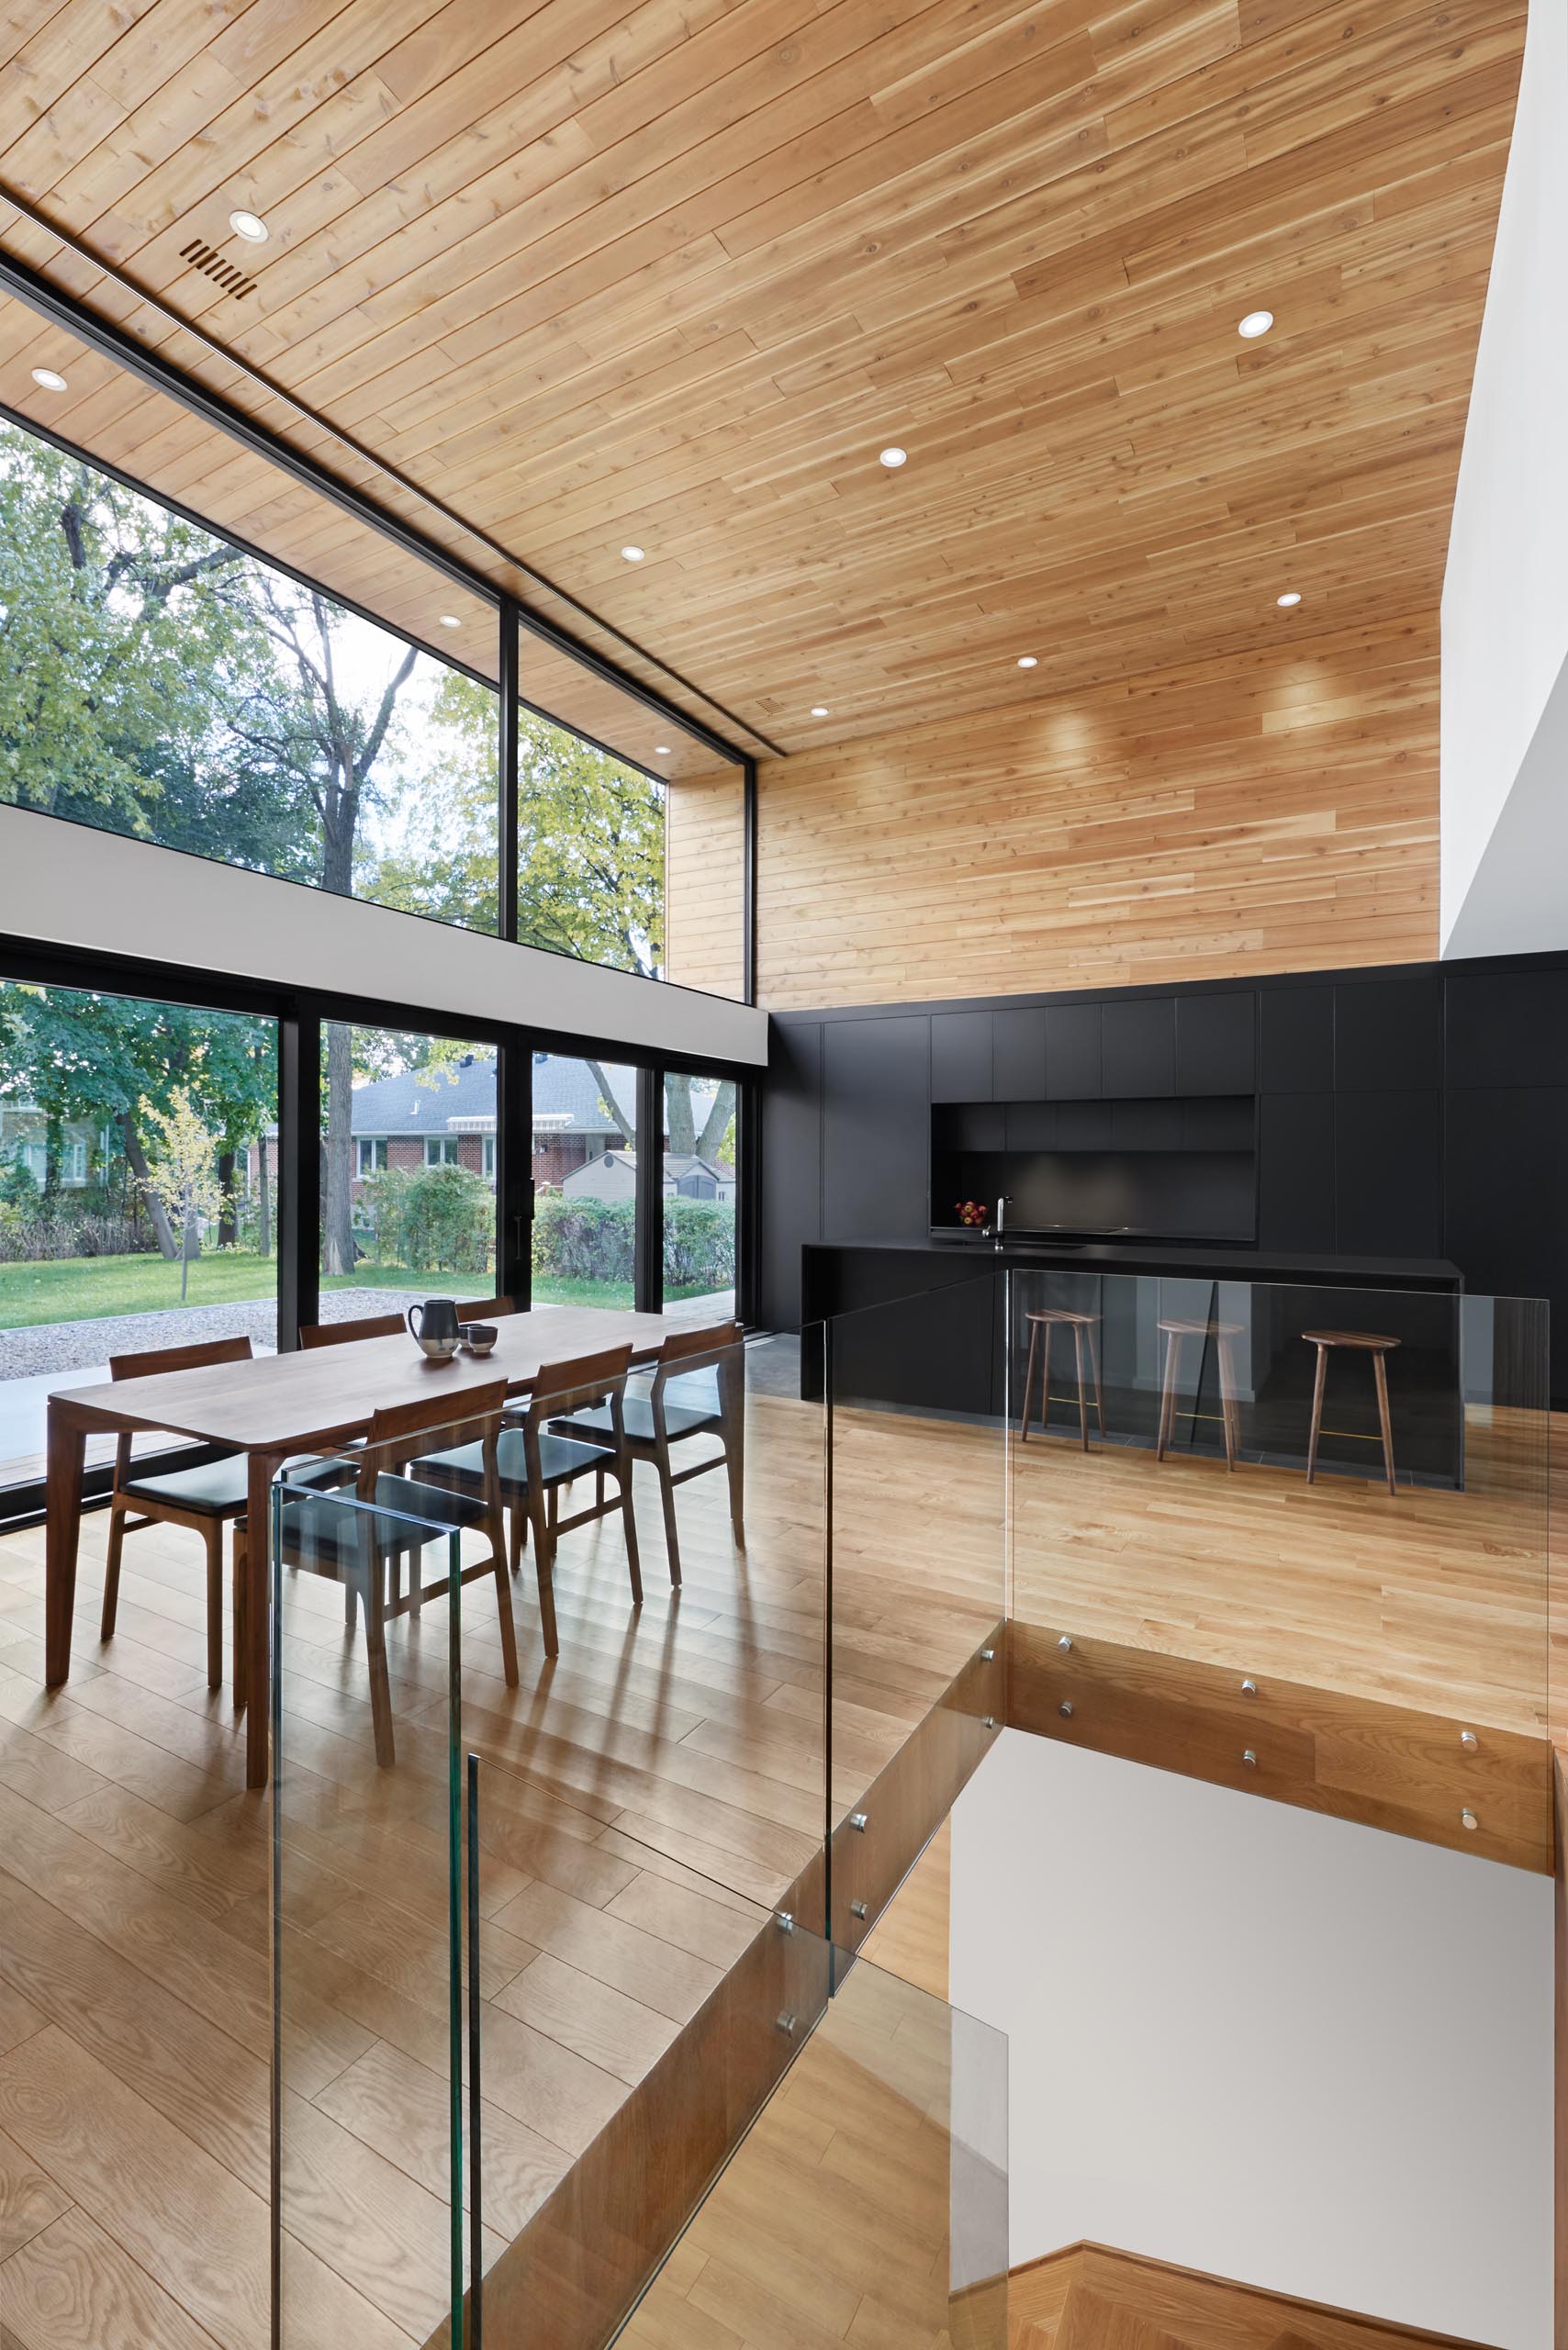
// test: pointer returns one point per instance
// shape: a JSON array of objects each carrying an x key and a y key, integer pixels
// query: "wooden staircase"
[{"x": 1089, "y": 2298}]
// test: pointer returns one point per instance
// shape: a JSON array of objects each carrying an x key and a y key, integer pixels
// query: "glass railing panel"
[
  {"x": 1165, "y": 1503},
  {"x": 627, "y": 2032},
  {"x": 867, "y": 2202},
  {"x": 369, "y": 1966},
  {"x": 917, "y": 1501}
]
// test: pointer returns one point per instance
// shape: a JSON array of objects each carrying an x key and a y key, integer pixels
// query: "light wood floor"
[
  {"x": 644, "y": 1801},
  {"x": 1428, "y": 1598},
  {"x": 831, "y": 2224}
]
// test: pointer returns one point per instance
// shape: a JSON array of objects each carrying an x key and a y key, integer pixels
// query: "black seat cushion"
[
  {"x": 324, "y": 1532},
  {"x": 559, "y": 1459},
  {"x": 219, "y": 1489},
  {"x": 680, "y": 1419}
]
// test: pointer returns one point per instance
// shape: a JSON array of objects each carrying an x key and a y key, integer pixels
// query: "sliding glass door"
[
  {"x": 139, "y": 1192},
  {"x": 408, "y": 1168},
  {"x": 700, "y": 1179}
]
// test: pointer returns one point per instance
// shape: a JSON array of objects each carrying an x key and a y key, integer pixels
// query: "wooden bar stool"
[
  {"x": 1177, "y": 1330},
  {"x": 1048, "y": 1318},
  {"x": 1369, "y": 1342}
]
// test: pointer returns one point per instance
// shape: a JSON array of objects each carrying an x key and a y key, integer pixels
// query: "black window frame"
[{"x": 300, "y": 1012}]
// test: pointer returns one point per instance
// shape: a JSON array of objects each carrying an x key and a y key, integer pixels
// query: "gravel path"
[{"x": 51, "y": 1347}]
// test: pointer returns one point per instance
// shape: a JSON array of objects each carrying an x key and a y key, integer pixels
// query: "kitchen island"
[{"x": 941, "y": 1326}]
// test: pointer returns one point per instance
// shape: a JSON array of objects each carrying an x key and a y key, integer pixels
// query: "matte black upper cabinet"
[
  {"x": 1216, "y": 1043},
  {"x": 1072, "y": 1052},
  {"x": 876, "y": 1128},
  {"x": 960, "y": 1056},
  {"x": 1387, "y": 1032},
  {"x": 1137, "y": 1048},
  {"x": 1018, "y": 1057}
]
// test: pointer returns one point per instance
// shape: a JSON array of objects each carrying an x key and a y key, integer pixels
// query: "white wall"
[
  {"x": 1505, "y": 612},
  {"x": 73, "y": 886},
  {"x": 1254, "y": 2041}
]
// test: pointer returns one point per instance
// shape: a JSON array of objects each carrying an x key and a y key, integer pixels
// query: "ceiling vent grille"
[{"x": 222, "y": 272}]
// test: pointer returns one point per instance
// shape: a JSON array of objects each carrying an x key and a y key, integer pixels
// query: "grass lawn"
[{"x": 84, "y": 1289}]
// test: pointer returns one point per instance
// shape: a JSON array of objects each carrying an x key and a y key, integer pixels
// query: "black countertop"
[{"x": 1202, "y": 1259}]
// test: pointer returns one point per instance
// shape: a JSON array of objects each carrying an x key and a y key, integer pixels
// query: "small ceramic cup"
[{"x": 479, "y": 1337}]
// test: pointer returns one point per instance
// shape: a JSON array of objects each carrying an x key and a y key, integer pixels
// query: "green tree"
[
  {"x": 181, "y": 1173},
  {"x": 101, "y": 1057}
]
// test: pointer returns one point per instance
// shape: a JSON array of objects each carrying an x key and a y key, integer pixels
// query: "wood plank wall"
[
  {"x": 705, "y": 881},
  {"x": 1271, "y": 810}
]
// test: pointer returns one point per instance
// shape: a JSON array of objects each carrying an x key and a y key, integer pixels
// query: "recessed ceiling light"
[
  {"x": 633, "y": 555},
  {"x": 450, "y": 619},
  {"x": 661, "y": 750},
  {"x": 819, "y": 710},
  {"x": 893, "y": 459},
  {"x": 1291, "y": 596},
  {"x": 1027, "y": 661},
  {"x": 48, "y": 379},
  {"x": 250, "y": 226},
  {"x": 1255, "y": 323}
]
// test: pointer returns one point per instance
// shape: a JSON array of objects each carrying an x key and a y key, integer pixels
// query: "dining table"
[{"x": 271, "y": 1406}]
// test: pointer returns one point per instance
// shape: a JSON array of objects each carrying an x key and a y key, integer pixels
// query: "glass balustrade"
[{"x": 569, "y": 2014}]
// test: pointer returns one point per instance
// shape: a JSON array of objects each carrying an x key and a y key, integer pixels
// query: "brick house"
[{"x": 449, "y": 1118}]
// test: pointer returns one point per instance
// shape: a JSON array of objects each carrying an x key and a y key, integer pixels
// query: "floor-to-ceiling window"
[
  {"x": 138, "y": 1199},
  {"x": 700, "y": 1179},
  {"x": 408, "y": 1168}
]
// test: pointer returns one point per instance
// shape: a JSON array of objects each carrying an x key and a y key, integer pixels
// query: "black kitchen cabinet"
[
  {"x": 1506, "y": 1179},
  {"x": 1296, "y": 1172},
  {"x": 1388, "y": 1173},
  {"x": 792, "y": 1167},
  {"x": 1216, "y": 1043},
  {"x": 1137, "y": 1048},
  {"x": 1297, "y": 1031},
  {"x": 1506, "y": 1028},
  {"x": 1387, "y": 1032},
  {"x": 961, "y": 1056},
  {"x": 1018, "y": 1057},
  {"x": 876, "y": 1128},
  {"x": 1072, "y": 1052}
]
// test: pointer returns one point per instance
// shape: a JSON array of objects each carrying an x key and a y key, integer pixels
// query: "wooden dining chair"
[
  {"x": 657, "y": 1421},
  {"x": 534, "y": 1464},
  {"x": 339, "y": 1334},
  {"x": 396, "y": 1516},
  {"x": 204, "y": 1499},
  {"x": 484, "y": 1309}
]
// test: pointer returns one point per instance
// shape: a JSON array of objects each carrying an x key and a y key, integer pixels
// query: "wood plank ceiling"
[{"x": 673, "y": 274}]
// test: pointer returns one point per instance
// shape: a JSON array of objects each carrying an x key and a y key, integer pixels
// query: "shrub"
[
  {"x": 585, "y": 1241},
  {"x": 435, "y": 1220},
  {"x": 594, "y": 1240},
  {"x": 699, "y": 1243}
]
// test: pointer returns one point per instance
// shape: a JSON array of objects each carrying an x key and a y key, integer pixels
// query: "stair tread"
[{"x": 1089, "y": 2321}]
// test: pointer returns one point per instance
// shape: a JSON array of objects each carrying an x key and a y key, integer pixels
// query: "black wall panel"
[
  {"x": 1505, "y": 1219},
  {"x": 1387, "y": 1032},
  {"x": 1137, "y": 1048},
  {"x": 1388, "y": 1186},
  {"x": 960, "y": 1056},
  {"x": 1018, "y": 1057},
  {"x": 1506, "y": 1028},
  {"x": 1072, "y": 1052},
  {"x": 1422, "y": 1114},
  {"x": 792, "y": 1167},
  {"x": 876, "y": 1128},
  {"x": 1297, "y": 1040},
  {"x": 1216, "y": 1043},
  {"x": 1296, "y": 1172}
]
